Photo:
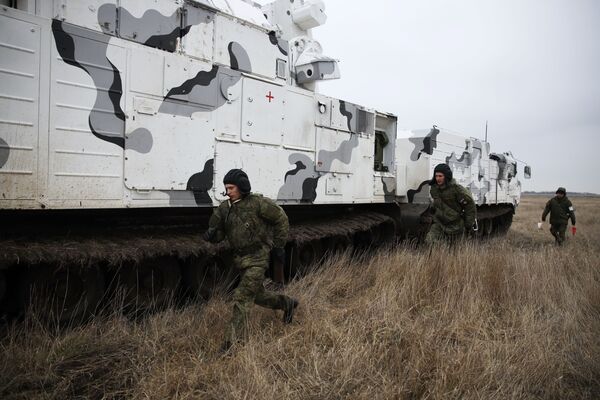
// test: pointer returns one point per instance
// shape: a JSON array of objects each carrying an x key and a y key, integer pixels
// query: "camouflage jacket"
[
  {"x": 560, "y": 211},
  {"x": 251, "y": 223},
  {"x": 453, "y": 207}
]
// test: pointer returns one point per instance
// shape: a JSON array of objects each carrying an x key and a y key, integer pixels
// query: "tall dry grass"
[{"x": 512, "y": 318}]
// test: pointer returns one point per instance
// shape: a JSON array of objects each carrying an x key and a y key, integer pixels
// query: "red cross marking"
[{"x": 269, "y": 96}]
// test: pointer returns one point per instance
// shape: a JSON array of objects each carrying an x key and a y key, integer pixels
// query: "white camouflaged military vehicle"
[{"x": 119, "y": 119}]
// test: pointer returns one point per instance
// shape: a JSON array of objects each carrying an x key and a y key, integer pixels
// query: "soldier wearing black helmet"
[
  {"x": 453, "y": 208},
  {"x": 561, "y": 210},
  {"x": 253, "y": 225}
]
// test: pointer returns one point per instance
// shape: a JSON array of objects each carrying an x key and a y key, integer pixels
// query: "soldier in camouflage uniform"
[
  {"x": 453, "y": 208},
  {"x": 253, "y": 225},
  {"x": 560, "y": 209}
]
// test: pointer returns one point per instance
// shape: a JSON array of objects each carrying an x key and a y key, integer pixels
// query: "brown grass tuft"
[{"x": 512, "y": 318}]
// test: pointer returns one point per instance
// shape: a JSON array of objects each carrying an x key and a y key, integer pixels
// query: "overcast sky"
[{"x": 529, "y": 67}]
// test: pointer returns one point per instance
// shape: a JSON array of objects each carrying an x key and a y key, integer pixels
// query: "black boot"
[{"x": 289, "y": 308}]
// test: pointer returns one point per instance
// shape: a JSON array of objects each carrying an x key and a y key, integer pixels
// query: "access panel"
[{"x": 262, "y": 112}]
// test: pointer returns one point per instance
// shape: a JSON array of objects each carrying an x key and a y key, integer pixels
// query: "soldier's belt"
[
  {"x": 248, "y": 250},
  {"x": 443, "y": 220}
]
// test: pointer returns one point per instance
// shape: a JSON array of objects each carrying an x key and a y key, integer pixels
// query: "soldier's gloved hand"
[
  {"x": 209, "y": 235},
  {"x": 279, "y": 255}
]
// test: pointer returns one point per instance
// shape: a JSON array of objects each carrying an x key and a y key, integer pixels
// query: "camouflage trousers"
[
  {"x": 251, "y": 291},
  {"x": 558, "y": 231},
  {"x": 437, "y": 234}
]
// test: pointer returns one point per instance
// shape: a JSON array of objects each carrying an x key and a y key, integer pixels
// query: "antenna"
[{"x": 486, "y": 123}]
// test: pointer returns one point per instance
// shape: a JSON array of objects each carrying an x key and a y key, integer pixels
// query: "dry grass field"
[{"x": 512, "y": 318}]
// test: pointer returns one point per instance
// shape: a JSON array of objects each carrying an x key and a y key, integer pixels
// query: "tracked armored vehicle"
[{"x": 119, "y": 119}]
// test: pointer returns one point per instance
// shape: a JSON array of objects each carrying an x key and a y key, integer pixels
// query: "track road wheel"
[
  {"x": 65, "y": 294},
  {"x": 363, "y": 240},
  {"x": 487, "y": 227},
  {"x": 388, "y": 232},
  {"x": 152, "y": 283},
  {"x": 203, "y": 276},
  {"x": 479, "y": 234},
  {"x": 337, "y": 245},
  {"x": 504, "y": 223},
  {"x": 306, "y": 255},
  {"x": 377, "y": 235}
]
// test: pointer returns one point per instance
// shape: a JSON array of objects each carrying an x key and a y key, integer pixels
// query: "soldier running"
[
  {"x": 254, "y": 225},
  {"x": 453, "y": 208},
  {"x": 560, "y": 209}
]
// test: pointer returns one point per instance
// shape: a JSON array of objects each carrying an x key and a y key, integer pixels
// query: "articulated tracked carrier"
[{"x": 119, "y": 119}]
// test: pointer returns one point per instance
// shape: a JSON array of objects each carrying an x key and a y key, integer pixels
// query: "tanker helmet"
[
  {"x": 238, "y": 178},
  {"x": 444, "y": 169}
]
